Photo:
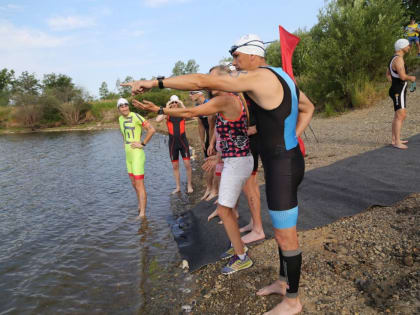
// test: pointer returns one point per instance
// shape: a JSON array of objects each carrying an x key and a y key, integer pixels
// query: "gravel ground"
[{"x": 365, "y": 264}]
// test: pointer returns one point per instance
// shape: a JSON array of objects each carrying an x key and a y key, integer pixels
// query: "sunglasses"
[
  {"x": 194, "y": 92},
  {"x": 235, "y": 47},
  {"x": 123, "y": 105}
]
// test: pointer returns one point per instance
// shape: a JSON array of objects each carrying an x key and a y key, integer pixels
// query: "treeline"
[
  {"x": 53, "y": 99},
  {"x": 341, "y": 61}
]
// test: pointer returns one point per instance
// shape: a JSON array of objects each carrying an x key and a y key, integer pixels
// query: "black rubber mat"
[{"x": 347, "y": 187}]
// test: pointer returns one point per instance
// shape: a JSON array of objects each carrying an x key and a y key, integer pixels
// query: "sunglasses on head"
[{"x": 235, "y": 47}]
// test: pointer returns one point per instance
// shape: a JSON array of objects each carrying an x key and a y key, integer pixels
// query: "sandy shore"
[{"x": 366, "y": 264}]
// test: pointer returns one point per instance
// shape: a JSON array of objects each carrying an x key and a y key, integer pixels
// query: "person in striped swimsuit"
[{"x": 397, "y": 75}]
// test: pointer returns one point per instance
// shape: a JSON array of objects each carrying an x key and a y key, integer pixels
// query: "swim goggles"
[{"x": 235, "y": 47}]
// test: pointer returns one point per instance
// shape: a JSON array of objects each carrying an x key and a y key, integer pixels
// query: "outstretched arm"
[
  {"x": 306, "y": 110},
  {"x": 241, "y": 81},
  {"x": 215, "y": 105}
]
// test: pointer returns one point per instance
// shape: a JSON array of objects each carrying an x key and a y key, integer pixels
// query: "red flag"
[{"x": 288, "y": 43}]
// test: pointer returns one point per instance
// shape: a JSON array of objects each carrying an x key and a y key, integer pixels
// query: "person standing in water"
[
  {"x": 131, "y": 126},
  {"x": 178, "y": 143}
]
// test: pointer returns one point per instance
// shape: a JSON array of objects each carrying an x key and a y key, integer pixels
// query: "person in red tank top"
[{"x": 178, "y": 144}]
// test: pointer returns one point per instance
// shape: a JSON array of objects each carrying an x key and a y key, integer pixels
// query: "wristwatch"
[
  {"x": 143, "y": 144},
  {"x": 160, "y": 111},
  {"x": 160, "y": 82}
]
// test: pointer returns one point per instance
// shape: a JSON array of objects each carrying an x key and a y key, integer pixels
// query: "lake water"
[{"x": 70, "y": 243}]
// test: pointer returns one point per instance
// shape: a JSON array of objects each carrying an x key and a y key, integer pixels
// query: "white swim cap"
[
  {"x": 249, "y": 44},
  {"x": 122, "y": 101},
  {"x": 401, "y": 43},
  {"x": 174, "y": 98}
]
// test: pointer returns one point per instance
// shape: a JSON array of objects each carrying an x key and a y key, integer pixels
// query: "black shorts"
[
  {"x": 255, "y": 151},
  {"x": 283, "y": 174},
  {"x": 399, "y": 96},
  {"x": 179, "y": 145}
]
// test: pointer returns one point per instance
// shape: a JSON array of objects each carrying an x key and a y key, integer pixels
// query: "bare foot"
[
  {"x": 246, "y": 228},
  {"x": 190, "y": 190},
  {"x": 176, "y": 190},
  {"x": 211, "y": 196},
  {"x": 206, "y": 194},
  {"x": 212, "y": 215},
  {"x": 402, "y": 141},
  {"x": 286, "y": 307},
  {"x": 253, "y": 236},
  {"x": 277, "y": 287},
  {"x": 142, "y": 215},
  {"x": 400, "y": 146}
]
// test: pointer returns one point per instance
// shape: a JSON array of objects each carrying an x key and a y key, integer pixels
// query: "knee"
[
  {"x": 223, "y": 211},
  {"x": 175, "y": 166},
  {"x": 402, "y": 115}
]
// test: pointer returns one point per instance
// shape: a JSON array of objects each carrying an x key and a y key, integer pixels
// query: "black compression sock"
[
  {"x": 292, "y": 265},
  {"x": 282, "y": 273}
]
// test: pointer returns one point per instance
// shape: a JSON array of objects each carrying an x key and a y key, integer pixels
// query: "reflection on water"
[{"x": 69, "y": 240}]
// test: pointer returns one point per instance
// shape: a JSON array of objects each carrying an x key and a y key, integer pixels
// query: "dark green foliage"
[
  {"x": 181, "y": 67},
  {"x": 412, "y": 8},
  {"x": 27, "y": 83}
]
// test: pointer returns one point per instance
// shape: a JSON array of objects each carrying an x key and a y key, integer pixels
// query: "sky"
[{"x": 93, "y": 41}]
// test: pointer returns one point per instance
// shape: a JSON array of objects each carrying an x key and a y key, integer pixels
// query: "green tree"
[
  {"x": 125, "y": 91},
  {"x": 7, "y": 78},
  {"x": 349, "y": 47},
  {"x": 57, "y": 81},
  {"x": 103, "y": 91},
  {"x": 182, "y": 68},
  {"x": 27, "y": 83},
  {"x": 412, "y": 8}
]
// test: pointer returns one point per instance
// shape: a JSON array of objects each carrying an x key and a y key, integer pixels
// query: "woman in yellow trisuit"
[{"x": 131, "y": 126}]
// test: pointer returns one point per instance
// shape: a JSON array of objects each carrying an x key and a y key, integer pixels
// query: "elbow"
[{"x": 201, "y": 83}]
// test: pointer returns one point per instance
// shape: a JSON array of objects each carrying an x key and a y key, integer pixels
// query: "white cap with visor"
[
  {"x": 122, "y": 101},
  {"x": 249, "y": 44}
]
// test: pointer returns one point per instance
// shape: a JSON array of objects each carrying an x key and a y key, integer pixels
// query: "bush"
[
  {"x": 50, "y": 111},
  {"x": 73, "y": 112},
  {"x": 29, "y": 115},
  {"x": 5, "y": 113},
  {"x": 351, "y": 45},
  {"x": 99, "y": 108}
]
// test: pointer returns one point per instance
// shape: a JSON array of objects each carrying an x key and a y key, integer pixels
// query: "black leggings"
[{"x": 283, "y": 174}]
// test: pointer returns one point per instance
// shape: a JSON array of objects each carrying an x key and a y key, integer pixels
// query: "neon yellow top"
[
  {"x": 131, "y": 128},
  {"x": 412, "y": 30}
]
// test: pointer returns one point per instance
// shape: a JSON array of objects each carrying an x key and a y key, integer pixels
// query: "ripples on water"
[{"x": 69, "y": 241}]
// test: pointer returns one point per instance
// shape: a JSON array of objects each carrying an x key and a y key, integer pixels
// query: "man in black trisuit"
[
  {"x": 397, "y": 75},
  {"x": 178, "y": 143}
]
